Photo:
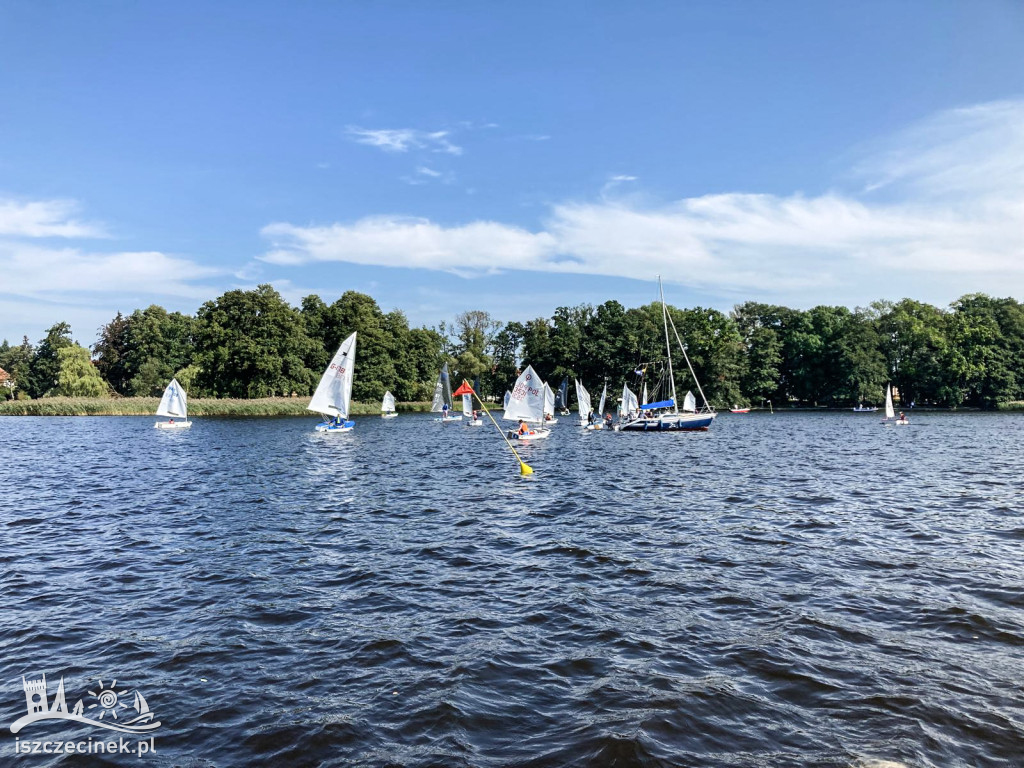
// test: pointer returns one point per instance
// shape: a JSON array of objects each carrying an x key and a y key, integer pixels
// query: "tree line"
[{"x": 249, "y": 344}]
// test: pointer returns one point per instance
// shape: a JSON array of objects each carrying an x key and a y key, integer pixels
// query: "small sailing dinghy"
[
  {"x": 442, "y": 402},
  {"x": 861, "y": 408},
  {"x": 736, "y": 409},
  {"x": 387, "y": 406},
  {"x": 173, "y": 405},
  {"x": 890, "y": 412},
  {"x": 526, "y": 405},
  {"x": 508, "y": 395},
  {"x": 562, "y": 397},
  {"x": 549, "y": 406},
  {"x": 586, "y": 411},
  {"x": 333, "y": 394},
  {"x": 469, "y": 413}
]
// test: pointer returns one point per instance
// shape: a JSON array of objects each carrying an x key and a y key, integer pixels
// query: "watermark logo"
[{"x": 104, "y": 706}]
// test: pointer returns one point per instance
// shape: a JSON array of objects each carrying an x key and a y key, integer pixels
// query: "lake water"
[{"x": 797, "y": 589}]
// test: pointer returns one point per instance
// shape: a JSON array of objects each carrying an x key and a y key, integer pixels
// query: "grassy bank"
[{"x": 146, "y": 406}]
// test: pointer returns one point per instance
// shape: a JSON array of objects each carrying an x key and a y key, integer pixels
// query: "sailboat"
[
  {"x": 628, "y": 405},
  {"x": 508, "y": 396},
  {"x": 469, "y": 413},
  {"x": 442, "y": 402},
  {"x": 173, "y": 405},
  {"x": 586, "y": 411},
  {"x": 549, "y": 405},
  {"x": 665, "y": 415},
  {"x": 333, "y": 394},
  {"x": 600, "y": 405},
  {"x": 562, "y": 397},
  {"x": 890, "y": 412},
  {"x": 527, "y": 404},
  {"x": 387, "y": 406}
]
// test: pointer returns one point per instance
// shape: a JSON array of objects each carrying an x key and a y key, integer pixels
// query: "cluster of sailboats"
[{"x": 531, "y": 402}]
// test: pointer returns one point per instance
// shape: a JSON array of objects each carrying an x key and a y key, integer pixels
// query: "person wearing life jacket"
[{"x": 523, "y": 429}]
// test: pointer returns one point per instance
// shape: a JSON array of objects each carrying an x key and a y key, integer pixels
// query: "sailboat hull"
[
  {"x": 669, "y": 422},
  {"x": 343, "y": 427},
  {"x": 537, "y": 434},
  {"x": 450, "y": 419},
  {"x": 173, "y": 424},
  {"x": 390, "y": 415}
]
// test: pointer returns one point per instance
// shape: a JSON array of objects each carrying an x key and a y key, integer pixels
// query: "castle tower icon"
[{"x": 35, "y": 695}]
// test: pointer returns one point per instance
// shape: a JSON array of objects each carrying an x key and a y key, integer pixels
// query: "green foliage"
[
  {"x": 77, "y": 376},
  {"x": 250, "y": 344},
  {"x": 253, "y": 344},
  {"x": 45, "y": 366}
]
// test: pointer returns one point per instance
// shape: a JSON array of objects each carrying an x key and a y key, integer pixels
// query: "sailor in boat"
[
  {"x": 607, "y": 419},
  {"x": 902, "y": 416},
  {"x": 523, "y": 429}
]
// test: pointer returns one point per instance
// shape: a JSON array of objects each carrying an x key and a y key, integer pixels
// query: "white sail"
[
  {"x": 583, "y": 398},
  {"x": 604, "y": 396},
  {"x": 644, "y": 399},
  {"x": 690, "y": 403},
  {"x": 467, "y": 406},
  {"x": 174, "y": 403},
  {"x": 334, "y": 392},
  {"x": 508, "y": 396},
  {"x": 549, "y": 400},
  {"x": 442, "y": 391},
  {"x": 527, "y": 398},
  {"x": 890, "y": 413},
  {"x": 629, "y": 402},
  {"x": 388, "y": 403}
]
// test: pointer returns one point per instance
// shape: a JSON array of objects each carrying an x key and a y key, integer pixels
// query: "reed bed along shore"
[{"x": 146, "y": 406}]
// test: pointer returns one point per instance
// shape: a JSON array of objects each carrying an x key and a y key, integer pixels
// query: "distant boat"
[
  {"x": 387, "y": 406},
  {"x": 739, "y": 410},
  {"x": 629, "y": 405},
  {"x": 549, "y": 405},
  {"x": 173, "y": 405},
  {"x": 665, "y": 414},
  {"x": 469, "y": 413},
  {"x": 442, "y": 402},
  {"x": 333, "y": 395},
  {"x": 562, "y": 397},
  {"x": 890, "y": 412},
  {"x": 861, "y": 408},
  {"x": 527, "y": 404},
  {"x": 508, "y": 395},
  {"x": 587, "y": 419}
]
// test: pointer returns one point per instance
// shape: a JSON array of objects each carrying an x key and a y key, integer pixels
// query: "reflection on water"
[{"x": 796, "y": 589}]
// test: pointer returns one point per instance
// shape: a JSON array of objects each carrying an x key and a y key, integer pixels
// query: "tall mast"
[{"x": 668, "y": 347}]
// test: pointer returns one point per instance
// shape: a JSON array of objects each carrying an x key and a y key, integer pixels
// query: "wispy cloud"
[
  {"x": 950, "y": 223},
  {"x": 44, "y": 218},
  {"x": 52, "y": 282},
  {"x": 404, "y": 139}
]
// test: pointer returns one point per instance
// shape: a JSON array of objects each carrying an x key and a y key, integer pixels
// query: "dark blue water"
[{"x": 787, "y": 590}]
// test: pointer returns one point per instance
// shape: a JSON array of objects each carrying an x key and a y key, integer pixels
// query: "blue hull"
[{"x": 670, "y": 423}]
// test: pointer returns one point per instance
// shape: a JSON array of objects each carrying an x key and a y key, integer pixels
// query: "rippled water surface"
[{"x": 786, "y": 590}]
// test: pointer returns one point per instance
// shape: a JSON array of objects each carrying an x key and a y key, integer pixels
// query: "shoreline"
[
  {"x": 199, "y": 407},
  {"x": 295, "y": 406}
]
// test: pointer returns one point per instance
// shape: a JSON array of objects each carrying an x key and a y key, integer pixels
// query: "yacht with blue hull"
[{"x": 664, "y": 415}]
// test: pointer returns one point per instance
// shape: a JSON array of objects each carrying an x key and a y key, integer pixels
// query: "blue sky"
[{"x": 448, "y": 156}]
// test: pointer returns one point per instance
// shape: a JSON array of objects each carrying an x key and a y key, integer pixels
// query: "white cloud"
[
  {"x": 32, "y": 271},
  {"x": 404, "y": 139},
  {"x": 951, "y": 223},
  {"x": 44, "y": 218}
]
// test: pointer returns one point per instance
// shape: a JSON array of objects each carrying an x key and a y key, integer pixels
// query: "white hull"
[
  {"x": 475, "y": 423},
  {"x": 593, "y": 427},
  {"x": 537, "y": 434},
  {"x": 388, "y": 415},
  {"x": 173, "y": 424},
  {"x": 449, "y": 419},
  {"x": 549, "y": 422}
]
